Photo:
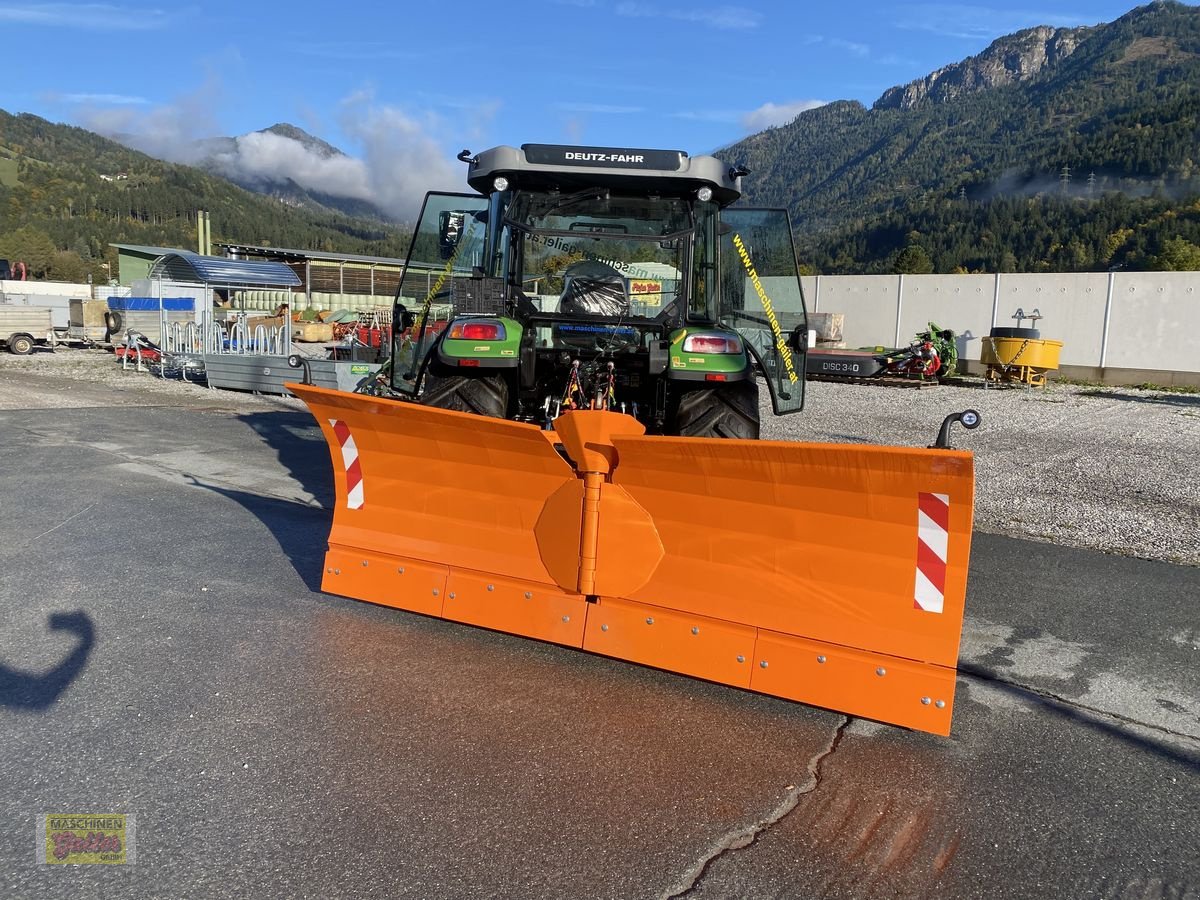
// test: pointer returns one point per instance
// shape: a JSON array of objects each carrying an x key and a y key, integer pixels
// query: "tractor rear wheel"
[
  {"x": 728, "y": 411},
  {"x": 484, "y": 396}
]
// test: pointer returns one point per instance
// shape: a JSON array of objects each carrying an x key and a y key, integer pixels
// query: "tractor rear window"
[
  {"x": 595, "y": 254},
  {"x": 599, "y": 212}
]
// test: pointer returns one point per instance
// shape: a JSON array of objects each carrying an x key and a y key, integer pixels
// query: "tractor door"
[
  {"x": 447, "y": 243},
  {"x": 761, "y": 299}
]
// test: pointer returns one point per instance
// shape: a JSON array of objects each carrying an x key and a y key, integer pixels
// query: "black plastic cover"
[{"x": 594, "y": 288}]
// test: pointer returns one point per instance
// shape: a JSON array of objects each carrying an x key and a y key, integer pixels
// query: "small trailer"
[{"x": 24, "y": 327}]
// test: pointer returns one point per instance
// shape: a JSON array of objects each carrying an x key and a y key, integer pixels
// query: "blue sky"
[{"x": 409, "y": 84}]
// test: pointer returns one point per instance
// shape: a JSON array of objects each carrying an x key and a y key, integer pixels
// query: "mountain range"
[
  {"x": 1054, "y": 148},
  {"x": 1093, "y": 117}
]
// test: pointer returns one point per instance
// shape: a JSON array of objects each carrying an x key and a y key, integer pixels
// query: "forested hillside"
[
  {"x": 1088, "y": 164},
  {"x": 66, "y": 193}
]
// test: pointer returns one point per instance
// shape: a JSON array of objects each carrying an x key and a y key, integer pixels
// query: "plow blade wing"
[
  {"x": 435, "y": 513},
  {"x": 846, "y": 564},
  {"x": 830, "y": 574}
]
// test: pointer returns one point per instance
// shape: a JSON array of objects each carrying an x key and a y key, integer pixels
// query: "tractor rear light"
[
  {"x": 468, "y": 363},
  {"x": 478, "y": 331},
  {"x": 712, "y": 343},
  {"x": 712, "y": 376}
]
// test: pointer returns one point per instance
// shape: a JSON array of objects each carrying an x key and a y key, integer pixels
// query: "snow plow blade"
[{"x": 831, "y": 574}]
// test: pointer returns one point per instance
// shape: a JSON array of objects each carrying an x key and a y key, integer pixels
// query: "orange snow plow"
[{"x": 830, "y": 574}]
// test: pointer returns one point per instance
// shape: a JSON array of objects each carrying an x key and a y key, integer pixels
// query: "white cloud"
[
  {"x": 852, "y": 47},
  {"x": 357, "y": 51},
  {"x": 401, "y": 154},
  {"x": 978, "y": 23},
  {"x": 708, "y": 115},
  {"x": 725, "y": 18},
  {"x": 599, "y": 108},
  {"x": 86, "y": 16},
  {"x": 772, "y": 115},
  {"x": 104, "y": 99},
  {"x": 169, "y": 132},
  {"x": 856, "y": 49},
  {"x": 270, "y": 156}
]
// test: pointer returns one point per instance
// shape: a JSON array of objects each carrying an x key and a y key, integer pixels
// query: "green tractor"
[{"x": 601, "y": 278}]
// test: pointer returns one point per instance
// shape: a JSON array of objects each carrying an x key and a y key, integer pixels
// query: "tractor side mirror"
[
  {"x": 798, "y": 339},
  {"x": 450, "y": 232},
  {"x": 404, "y": 318}
]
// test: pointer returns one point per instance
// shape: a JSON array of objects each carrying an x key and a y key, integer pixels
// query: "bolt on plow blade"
[{"x": 830, "y": 574}]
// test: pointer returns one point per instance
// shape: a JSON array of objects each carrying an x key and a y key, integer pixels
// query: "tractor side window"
[
  {"x": 761, "y": 299},
  {"x": 447, "y": 244},
  {"x": 702, "y": 302}
]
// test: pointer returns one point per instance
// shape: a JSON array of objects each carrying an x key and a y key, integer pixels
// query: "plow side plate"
[{"x": 447, "y": 488}]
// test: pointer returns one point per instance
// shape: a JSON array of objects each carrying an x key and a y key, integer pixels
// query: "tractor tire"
[
  {"x": 483, "y": 396},
  {"x": 1025, "y": 334},
  {"x": 113, "y": 324},
  {"x": 20, "y": 344},
  {"x": 729, "y": 411}
]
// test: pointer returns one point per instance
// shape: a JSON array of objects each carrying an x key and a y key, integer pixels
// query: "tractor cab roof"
[{"x": 565, "y": 168}]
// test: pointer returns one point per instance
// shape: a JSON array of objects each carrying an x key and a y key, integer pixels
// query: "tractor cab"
[{"x": 583, "y": 277}]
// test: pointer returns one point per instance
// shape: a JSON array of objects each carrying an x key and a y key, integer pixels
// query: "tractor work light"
[
  {"x": 704, "y": 194},
  {"x": 501, "y": 183},
  {"x": 711, "y": 343}
]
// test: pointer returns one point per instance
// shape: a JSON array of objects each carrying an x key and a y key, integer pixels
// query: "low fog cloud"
[
  {"x": 399, "y": 155},
  {"x": 171, "y": 132},
  {"x": 772, "y": 115},
  {"x": 266, "y": 156}
]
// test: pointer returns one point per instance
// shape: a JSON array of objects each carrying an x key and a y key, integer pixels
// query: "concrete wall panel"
[
  {"x": 962, "y": 303},
  {"x": 1155, "y": 322},
  {"x": 867, "y": 301},
  {"x": 1072, "y": 307}
]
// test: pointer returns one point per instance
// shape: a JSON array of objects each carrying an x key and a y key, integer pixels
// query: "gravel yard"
[{"x": 1110, "y": 469}]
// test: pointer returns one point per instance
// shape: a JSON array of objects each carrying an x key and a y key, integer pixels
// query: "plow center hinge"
[{"x": 589, "y": 533}]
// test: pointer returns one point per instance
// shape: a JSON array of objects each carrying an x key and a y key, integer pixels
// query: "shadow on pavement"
[
  {"x": 301, "y": 531},
  {"x": 1108, "y": 724},
  {"x": 24, "y": 690},
  {"x": 300, "y": 448},
  {"x": 1185, "y": 401}
]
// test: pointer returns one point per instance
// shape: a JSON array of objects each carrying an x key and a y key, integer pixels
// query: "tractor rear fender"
[{"x": 826, "y": 573}]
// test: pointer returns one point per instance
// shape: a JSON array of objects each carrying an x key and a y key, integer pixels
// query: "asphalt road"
[{"x": 165, "y": 652}]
